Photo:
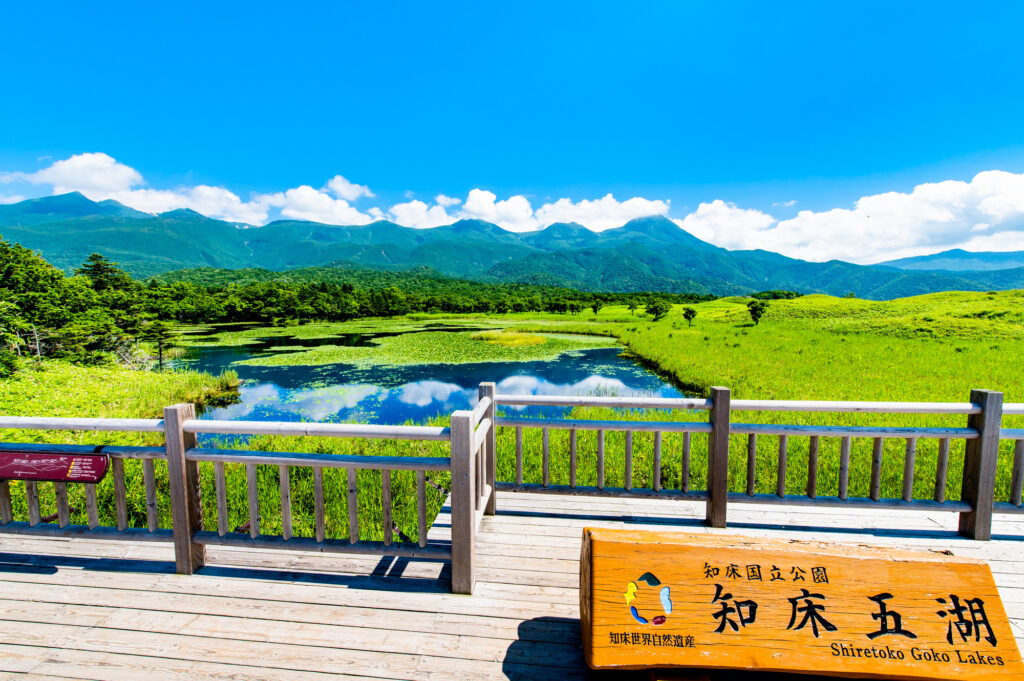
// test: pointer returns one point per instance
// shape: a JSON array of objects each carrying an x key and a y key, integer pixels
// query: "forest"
[{"x": 101, "y": 312}]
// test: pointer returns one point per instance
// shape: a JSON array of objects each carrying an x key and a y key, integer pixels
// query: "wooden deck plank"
[
  {"x": 81, "y": 664},
  {"x": 469, "y": 644},
  {"x": 88, "y": 609}
]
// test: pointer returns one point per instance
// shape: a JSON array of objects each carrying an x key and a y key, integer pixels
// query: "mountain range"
[
  {"x": 646, "y": 254},
  {"x": 958, "y": 260}
]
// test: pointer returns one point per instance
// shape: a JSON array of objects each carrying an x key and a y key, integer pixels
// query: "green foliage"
[
  {"x": 780, "y": 295},
  {"x": 8, "y": 363},
  {"x": 658, "y": 308},
  {"x": 438, "y": 347},
  {"x": 509, "y": 339},
  {"x": 689, "y": 314},
  {"x": 161, "y": 334},
  {"x": 102, "y": 273},
  {"x": 757, "y": 308}
]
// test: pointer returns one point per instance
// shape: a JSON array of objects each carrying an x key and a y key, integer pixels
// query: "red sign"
[{"x": 52, "y": 467}]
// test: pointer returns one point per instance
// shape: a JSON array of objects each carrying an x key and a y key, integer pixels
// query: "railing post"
[
  {"x": 463, "y": 505},
  {"x": 718, "y": 458},
  {"x": 183, "y": 478},
  {"x": 490, "y": 449},
  {"x": 980, "y": 459}
]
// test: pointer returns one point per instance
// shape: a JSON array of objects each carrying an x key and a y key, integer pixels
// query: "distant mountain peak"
[
  {"x": 658, "y": 228},
  {"x": 566, "y": 228},
  {"x": 62, "y": 203},
  {"x": 474, "y": 225},
  {"x": 183, "y": 214}
]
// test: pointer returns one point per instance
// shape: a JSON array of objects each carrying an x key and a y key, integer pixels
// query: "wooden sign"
[
  {"x": 46, "y": 466},
  {"x": 653, "y": 599}
]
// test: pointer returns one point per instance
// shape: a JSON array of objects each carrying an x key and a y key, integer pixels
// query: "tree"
[
  {"x": 689, "y": 314},
  {"x": 103, "y": 273},
  {"x": 658, "y": 308},
  {"x": 632, "y": 305},
  {"x": 162, "y": 335},
  {"x": 757, "y": 308},
  {"x": 597, "y": 305}
]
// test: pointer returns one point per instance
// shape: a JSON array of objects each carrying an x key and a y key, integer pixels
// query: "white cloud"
[
  {"x": 11, "y": 199},
  {"x": 724, "y": 224},
  {"x": 417, "y": 214},
  {"x": 517, "y": 215},
  {"x": 785, "y": 204},
  {"x": 986, "y": 213},
  {"x": 349, "y": 191},
  {"x": 514, "y": 213},
  {"x": 425, "y": 393},
  {"x": 99, "y": 177},
  {"x": 91, "y": 174},
  {"x": 600, "y": 214},
  {"x": 306, "y": 203}
]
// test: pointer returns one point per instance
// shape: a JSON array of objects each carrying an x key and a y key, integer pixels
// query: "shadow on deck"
[{"x": 91, "y": 609}]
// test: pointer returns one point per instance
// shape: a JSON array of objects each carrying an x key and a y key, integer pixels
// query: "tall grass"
[{"x": 766, "y": 469}]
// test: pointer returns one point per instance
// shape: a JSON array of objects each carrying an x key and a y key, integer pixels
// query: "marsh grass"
[
  {"x": 370, "y": 510},
  {"x": 509, "y": 339},
  {"x": 438, "y": 347}
]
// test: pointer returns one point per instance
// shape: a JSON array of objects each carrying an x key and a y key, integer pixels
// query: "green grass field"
[{"x": 926, "y": 348}]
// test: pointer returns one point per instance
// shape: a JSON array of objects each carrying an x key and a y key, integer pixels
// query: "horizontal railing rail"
[
  {"x": 105, "y": 425},
  {"x": 616, "y": 402},
  {"x": 306, "y": 429},
  {"x": 841, "y": 407}
]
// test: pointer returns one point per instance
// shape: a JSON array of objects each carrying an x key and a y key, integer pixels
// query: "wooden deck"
[{"x": 84, "y": 609}]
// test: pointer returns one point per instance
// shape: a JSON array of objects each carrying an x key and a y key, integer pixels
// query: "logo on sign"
[{"x": 664, "y": 596}]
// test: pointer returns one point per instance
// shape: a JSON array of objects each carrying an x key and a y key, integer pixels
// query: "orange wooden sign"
[{"x": 653, "y": 599}]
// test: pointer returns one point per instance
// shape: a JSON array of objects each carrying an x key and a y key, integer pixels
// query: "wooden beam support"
[
  {"x": 463, "y": 507},
  {"x": 486, "y": 390},
  {"x": 718, "y": 458},
  {"x": 980, "y": 459},
  {"x": 183, "y": 476}
]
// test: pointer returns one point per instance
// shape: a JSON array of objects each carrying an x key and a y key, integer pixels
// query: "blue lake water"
[{"x": 343, "y": 392}]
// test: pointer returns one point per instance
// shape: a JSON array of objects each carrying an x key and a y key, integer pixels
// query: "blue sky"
[{"x": 679, "y": 105}]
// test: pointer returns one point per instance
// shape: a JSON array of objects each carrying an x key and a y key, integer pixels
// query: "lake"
[{"x": 388, "y": 394}]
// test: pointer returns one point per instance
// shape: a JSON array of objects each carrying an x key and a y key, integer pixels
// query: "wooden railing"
[
  {"x": 35, "y": 524},
  {"x": 472, "y": 464},
  {"x": 981, "y": 434},
  {"x": 473, "y": 483},
  {"x": 183, "y": 458}
]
